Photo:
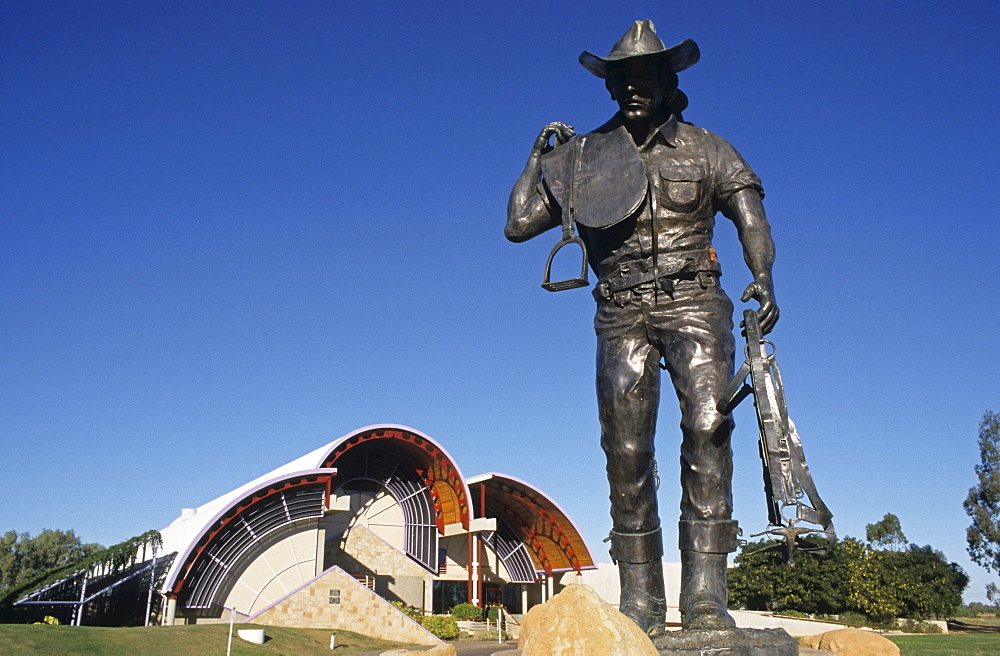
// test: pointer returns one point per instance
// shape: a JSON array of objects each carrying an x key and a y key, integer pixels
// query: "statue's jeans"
[{"x": 692, "y": 331}]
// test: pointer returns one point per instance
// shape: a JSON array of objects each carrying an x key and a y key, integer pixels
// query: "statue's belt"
[{"x": 669, "y": 268}]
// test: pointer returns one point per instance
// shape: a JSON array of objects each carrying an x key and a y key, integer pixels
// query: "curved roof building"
[{"x": 387, "y": 506}]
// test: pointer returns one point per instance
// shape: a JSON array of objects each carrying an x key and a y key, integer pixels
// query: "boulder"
[
  {"x": 577, "y": 622},
  {"x": 440, "y": 650},
  {"x": 811, "y": 641},
  {"x": 851, "y": 642}
]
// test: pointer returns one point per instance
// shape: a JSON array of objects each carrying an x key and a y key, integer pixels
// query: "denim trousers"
[{"x": 691, "y": 331}]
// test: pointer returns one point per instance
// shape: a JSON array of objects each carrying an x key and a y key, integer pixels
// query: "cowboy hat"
[{"x": 641, "y": 41}]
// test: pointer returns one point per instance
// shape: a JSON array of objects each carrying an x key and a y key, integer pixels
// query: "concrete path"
[
  {"x": 802, "y": 652},
  {"x": 510, "y": 649},
  {"x": 470, "y": 648}
]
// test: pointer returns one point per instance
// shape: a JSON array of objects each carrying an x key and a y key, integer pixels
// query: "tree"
[
  {"x": 23, "y": 557},
  {"x": 762, "y": 580},
  {"x": 931, "y": 586},
  {"x": 915, "y": 583},
  {"x": 983, "y": 502},
  {"x": 886, "y": 533}
]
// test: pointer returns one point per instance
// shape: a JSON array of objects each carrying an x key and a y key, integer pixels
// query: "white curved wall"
[
  {"x": 379, "y": 513},
  {"x": 275, "y": 572}
]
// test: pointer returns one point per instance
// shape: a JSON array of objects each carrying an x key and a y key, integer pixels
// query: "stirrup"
[
  {"x": 569, "y": 283},
  {"x": 568, "y": 237}
]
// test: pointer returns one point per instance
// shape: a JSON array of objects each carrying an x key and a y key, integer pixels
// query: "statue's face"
[{"x": 637, "y": 87}]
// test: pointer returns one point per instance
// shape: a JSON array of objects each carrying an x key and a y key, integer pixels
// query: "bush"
[
  {"x": 791, "y": 613},
  {"x": 911, "y": 626},
  {"x": 491, "y": 636},
  {"x": 467, "y": 612},
  {"x": 852, "y": 617},
  {"x": 977, "y": 609},
  {"x": 492, "y": 612},
  {"x": 409, "y": 611},
  {"x": 442, "y": 626}
]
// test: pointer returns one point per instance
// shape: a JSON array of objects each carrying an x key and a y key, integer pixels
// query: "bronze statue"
[{"x": 643, "y": 189}]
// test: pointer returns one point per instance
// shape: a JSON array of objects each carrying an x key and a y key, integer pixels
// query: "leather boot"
[
  {"x": 703, "y": 592},
  {"x": 704, "y": 547},
  {"x": 641, "y": 574},
  {"x": 642, "y": 596}
]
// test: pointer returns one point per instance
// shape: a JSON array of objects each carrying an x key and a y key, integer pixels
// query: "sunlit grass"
[
  {"x": 180, "y": 640},
  {"x": 959, "y": 644}
]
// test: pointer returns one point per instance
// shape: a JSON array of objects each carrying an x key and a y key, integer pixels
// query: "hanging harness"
[{"x": 791, "y": 494}]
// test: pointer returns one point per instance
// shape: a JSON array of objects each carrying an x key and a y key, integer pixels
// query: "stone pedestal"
[{"x": 729, "y": 642}]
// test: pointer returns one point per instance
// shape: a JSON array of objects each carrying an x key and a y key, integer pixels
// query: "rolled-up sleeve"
[{"x": 733, "y": 174}]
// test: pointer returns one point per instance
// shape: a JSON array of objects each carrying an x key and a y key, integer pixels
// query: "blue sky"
[{"x": 233, "y": 231}]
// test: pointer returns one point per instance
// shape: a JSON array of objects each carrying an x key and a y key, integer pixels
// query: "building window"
[
  {"x": 334, "y": 596},
  {"x": 448, "y": 594}
]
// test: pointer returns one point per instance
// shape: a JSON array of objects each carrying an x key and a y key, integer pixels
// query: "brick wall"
[{"x": 360, "y": 610}]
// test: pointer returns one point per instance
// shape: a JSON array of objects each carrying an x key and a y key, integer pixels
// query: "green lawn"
[
  {"x": 180, "y": 640},
  {"x": 982, "y": 619},
  {"x": 959, "y": 644}
]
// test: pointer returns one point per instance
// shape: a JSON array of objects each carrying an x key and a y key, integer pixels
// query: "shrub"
[
  {"x": 466, "y": 612},
  {"x": 791, "y": 613},
  {"x": 409, "y": 611},
  {"x": 977, "y": 609},
  {"x": 912, "y": 626},
  {"x": 852, "y": 617},
  {"x": 442, "y": 626}
]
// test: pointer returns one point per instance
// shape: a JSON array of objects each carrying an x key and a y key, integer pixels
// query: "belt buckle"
[{"x": 623, "y": 297}]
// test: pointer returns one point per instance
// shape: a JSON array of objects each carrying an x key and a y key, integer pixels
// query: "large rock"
[
  {"x": 440, "y": 650},
  {"x": 851, "y": 642},
  {"x": 577, "y": 622}
]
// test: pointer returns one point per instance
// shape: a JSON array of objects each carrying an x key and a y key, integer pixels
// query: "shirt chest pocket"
[{"x": 682, "y": 187}]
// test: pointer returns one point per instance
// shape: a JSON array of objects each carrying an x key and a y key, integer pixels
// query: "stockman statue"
[{"x": 644, "y": 189}]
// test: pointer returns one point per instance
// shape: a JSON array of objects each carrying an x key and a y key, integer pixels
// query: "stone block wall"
[
  {"x": 397, "y": 577},
  {"x": 359, "y": 610}
]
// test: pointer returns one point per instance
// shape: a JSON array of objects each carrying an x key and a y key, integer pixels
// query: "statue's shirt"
[{"x": 690, "y": 172}]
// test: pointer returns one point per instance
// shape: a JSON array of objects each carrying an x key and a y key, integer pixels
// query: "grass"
[
  {"x": 982, "y": 619},
  {"x": 958, "y": 644},
  {"x": 193, "y": 640}
]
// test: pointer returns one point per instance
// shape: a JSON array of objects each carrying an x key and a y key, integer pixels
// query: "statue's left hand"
[
  {"x": 562, "y": 132},
  {"x": 768, "y": 313}
]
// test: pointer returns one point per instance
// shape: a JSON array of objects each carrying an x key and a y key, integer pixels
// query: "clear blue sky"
[{"x": 234, "y": 231}]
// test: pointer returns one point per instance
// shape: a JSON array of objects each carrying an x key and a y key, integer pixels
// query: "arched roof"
[
  {"x": 416, "y": 470},
  {"x": 270, "y": 506},
  {"x": 552, "y": 539},
  {"x": 449, "y": 491}
]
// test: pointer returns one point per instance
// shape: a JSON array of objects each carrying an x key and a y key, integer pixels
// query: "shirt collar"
[{"x": 668, "y": 131}]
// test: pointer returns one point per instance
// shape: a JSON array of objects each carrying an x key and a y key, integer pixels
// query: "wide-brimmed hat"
[{"x": 641, "y": 41}]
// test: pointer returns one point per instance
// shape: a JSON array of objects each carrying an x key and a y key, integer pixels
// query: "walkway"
[{"x": 465, "y": 648}]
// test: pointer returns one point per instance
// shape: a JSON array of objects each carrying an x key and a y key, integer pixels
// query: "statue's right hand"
[{"x": 562, "y": 132}]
